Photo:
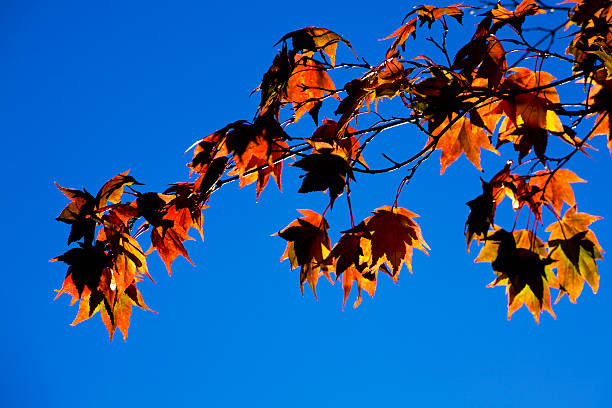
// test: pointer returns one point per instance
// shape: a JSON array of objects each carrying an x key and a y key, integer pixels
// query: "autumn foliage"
[{"x": 490, "y": 94}]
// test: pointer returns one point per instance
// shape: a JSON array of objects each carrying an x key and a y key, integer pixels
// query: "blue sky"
[{"x": 91, "y": 89}]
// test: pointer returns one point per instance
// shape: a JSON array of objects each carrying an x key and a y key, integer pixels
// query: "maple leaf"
[
  {"x": 485, "y": 52},
  {"x": 401, "y": 34},
  {"x": 152, "y": 207},
  {"x": 585, "y": 10},
  {"x": 520, "y": 261},
  {"x": 167, "y": 235},
  {"x": 516, "y": 18},
  {"x": 326, "y": 169},
  {"x": 112, "y": 190},
  {"x": 438, "y": 97},
  {"x": 115, "y": 315},
  {"x": 461, "y": 137},
  {"x": 389, "y": 236},
  {"x": 85, "y": 268},
  {"x": 556, "y": 187},
  {"x": 79, "y": 214},
  {"x": 519, "y": 190},
  {"x": 445, "y": 98},
  {"x": 90, "y": 303},
  {"x": 273, "y": 85},
  {"x": 129, "y": 262},
  {"x": 482, "y": 208},
  {"x": 387, "y": 79},
  {"x": 347, "y": 253},
  {"x": 185, "y": 209},
  {"x": 307, "y": 86},
  {"x": 576, "y": 250},
  {"x": 356, "y": 92},
  {"x": 462, "y": 103},
  {"x": 535, "y": 190},
  {"x": 128, "y": 259},
  {"x": 533, "y": 109},
  {"x": 365, "y": 281},
  {"x": 261, "y": 171},
  {"x": 523, "y": 138},
  {"x": 307, "y": 247},
  {"x": 487, "y": 113},
  {"x": 169, "y": 244},
  {"x": 212, "y": 147},
  {"x": 425, "y": 14},
  {"x": 121, "y": 216},
  {"x": 482, "y": 214},
  {"x": 84, "y": 209},
  {"x": 429, "y": 14},
  {"x": 328, "y": 133},
  {"x": 255, "y": 150},
  {"x": 348, "y": 261},
  {"x": 295, "y": 77},
  {"x": 312, "y": 39},
  {"x": 494, "y": 64}
]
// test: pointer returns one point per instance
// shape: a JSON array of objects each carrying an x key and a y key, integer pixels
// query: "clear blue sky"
[{"x": 90, "y": 89}]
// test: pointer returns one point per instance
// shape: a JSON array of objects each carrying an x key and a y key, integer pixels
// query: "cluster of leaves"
[
  {"x": 480, "y": 98},
  {"x": 382, "y": 242},
  {"x": 107, "y": 264}
]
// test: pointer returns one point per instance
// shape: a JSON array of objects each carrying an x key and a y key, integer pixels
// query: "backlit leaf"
[
  {"x": 520, "y": 262},
  {"x": 389, "y": 235},
  {"x": 462, "y": 137},
  {"x": 576, "y": 250},
  {"x": 307, "y": 247}
]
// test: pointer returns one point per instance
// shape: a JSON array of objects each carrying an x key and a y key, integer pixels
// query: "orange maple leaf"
[
  {"x": 429, "y": 14},
  {"x": 520, "y": 261},
  {"x": 516, "y": 18},
  {"x": 112, "y": 190},
  {"x": 117, "y": 316},
  {"x": 365, "y": 281},
  {"x": 425, "y": 14},
  {"x": 169, "y": 244},
  {"x": 348, "y": 260},
  {"x": 307, "y": 247},
  {"x": 389, "y": 235},
  {"x": 83, "y": 210},
  {"x": 533, "y": 109},
  {"x": 483, "y": 57},
  {"x": 556, "y": 187},
  {"x": 328, "y": 133},
  {"x": 401, "y": 34},
  {"x": 312, "y": 39},
  {"x": 185, "y": 209},
  {"x": 256, "y": 149},
  {"x": 461, "y": 137},
  {"x": 307, "y": 86},
  {"x": 167, "y": 235},
  {"x": 387, "y": 79}
]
